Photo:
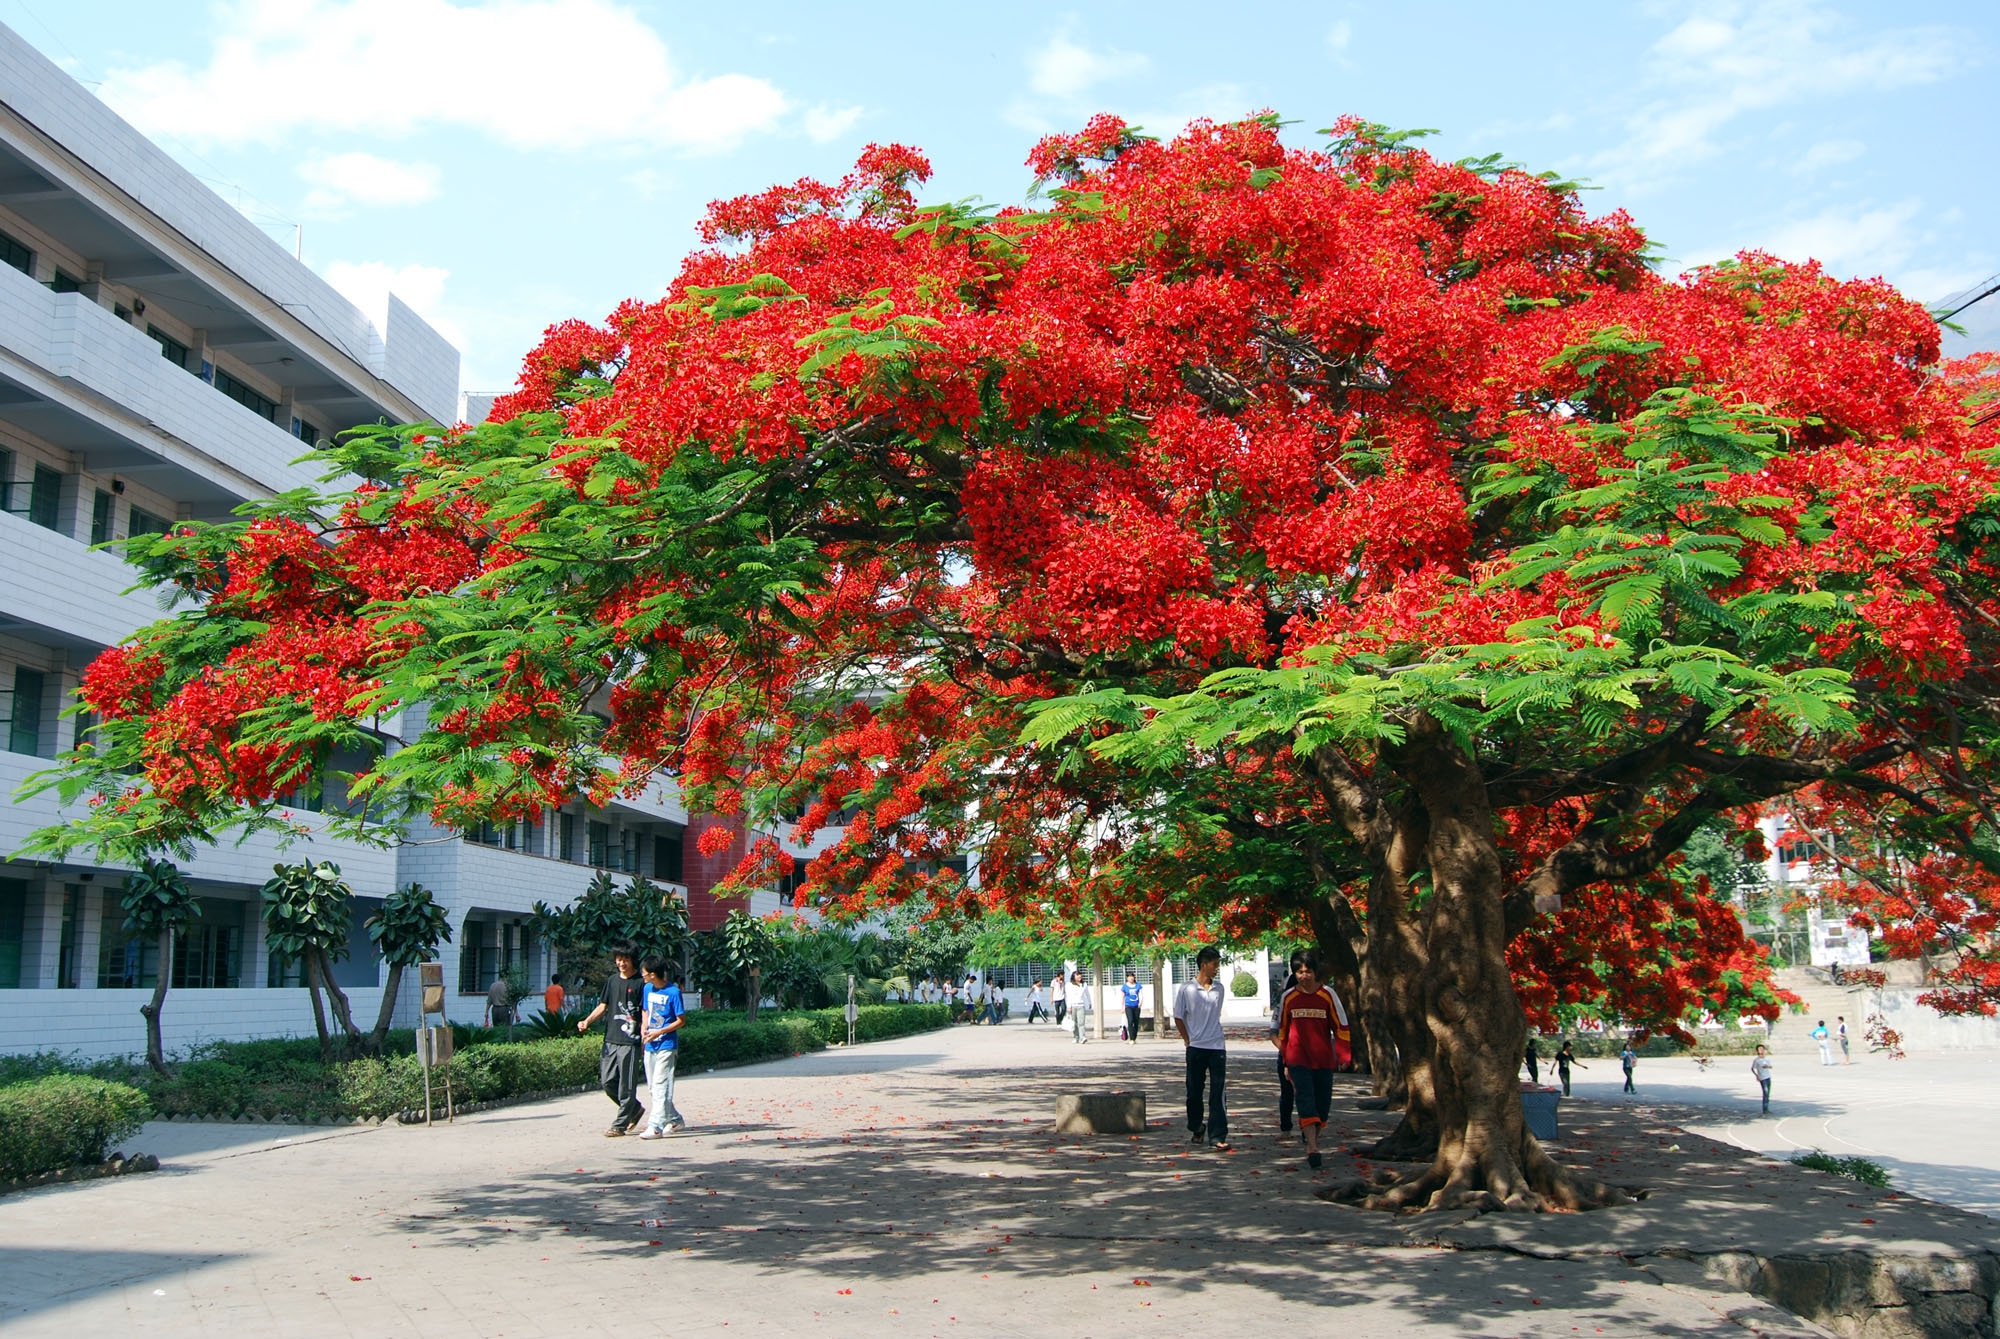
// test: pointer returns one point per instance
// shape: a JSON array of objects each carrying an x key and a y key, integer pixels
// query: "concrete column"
[
  {"x": 1097, "y": 999},
  {"x": 254, "y": 971},
  {"x": 1161, "y": 1027},
  {"x": 41, "y": 933},
  {"x": 90, "y": 931}
]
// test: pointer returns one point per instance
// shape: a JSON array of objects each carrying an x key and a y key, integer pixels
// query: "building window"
[
  {"x": 6, "y": 480},
  {"x": 667, "y": 859},
  {"x": 45, "y": 497},
  {"x": 172, "y": 349},
  {"x": 478, "y": 958},
  {"x": 600, "y": 844},
  {"x": 66, "y": 283},
  {"x": 145, "y": 523},
  {"x": 246, "y": 395},
  {"x": 566, "y": 837},
  {"x": 308, "y": 433},
  {"x": 14, "y": 253},
  {"x": 100, "y": 517},
  {"x": 13, "y": 929},
  {"x": 24, "y": 712}
]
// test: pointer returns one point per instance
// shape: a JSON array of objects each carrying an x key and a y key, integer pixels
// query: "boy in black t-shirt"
[{"x": 622, "y": 1065}]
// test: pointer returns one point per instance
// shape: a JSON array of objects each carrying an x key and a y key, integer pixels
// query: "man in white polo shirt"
[{"x": 1198, "y": 1018}]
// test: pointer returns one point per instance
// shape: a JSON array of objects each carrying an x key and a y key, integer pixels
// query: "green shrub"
[
  {"x": 1865, "y": 1170},
  {"x": 1243, "y": 985},
  {"x": 38, "y": 1065},
  {"x": 64, "y": 1120}
]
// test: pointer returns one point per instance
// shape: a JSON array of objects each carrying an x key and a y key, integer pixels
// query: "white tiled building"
[{"x": 162, "y": 359}]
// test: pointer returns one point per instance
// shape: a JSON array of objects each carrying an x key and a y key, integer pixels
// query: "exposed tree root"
[{"x": 1530, "y": 1183}]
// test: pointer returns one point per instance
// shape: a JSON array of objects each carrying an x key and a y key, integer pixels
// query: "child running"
[
  {"x": 1306, "y": 1023},
  {"x": 664, "y": 1011}
]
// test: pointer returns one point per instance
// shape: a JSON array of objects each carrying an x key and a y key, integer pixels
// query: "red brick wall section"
[{"x": 703, "y": 872}]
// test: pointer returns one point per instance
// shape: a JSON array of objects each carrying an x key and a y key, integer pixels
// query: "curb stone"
[{"x": 115, "y": 1165}]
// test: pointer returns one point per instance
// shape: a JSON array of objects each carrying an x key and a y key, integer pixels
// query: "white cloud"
[
  {"x": 1831, "y": 153},
  {"x": 368, "y": 284},
  {"x": 1728, "y": 60},
  {"x": 1339, "y": 36},
  {"x": 1859, "y": 241},
  {"x": 534, "y": 74},
  {"x": 363, "y": 179},
  {"x": 647, "y": 181},
  {"x": 825, "y": 124},
  {"x": 1067, "y": 70}
]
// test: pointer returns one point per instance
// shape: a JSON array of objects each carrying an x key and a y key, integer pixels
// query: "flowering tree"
[{"x": 1257, "y": 536}]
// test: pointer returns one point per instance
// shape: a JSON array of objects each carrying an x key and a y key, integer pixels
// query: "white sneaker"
[{"x": 653, "y": 1134}]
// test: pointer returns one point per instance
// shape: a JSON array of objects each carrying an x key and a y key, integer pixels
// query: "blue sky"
[{"x": 507, "y": 165}]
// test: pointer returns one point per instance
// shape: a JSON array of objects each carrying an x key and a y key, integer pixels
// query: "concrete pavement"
[{"x": 910, "y": 1187}]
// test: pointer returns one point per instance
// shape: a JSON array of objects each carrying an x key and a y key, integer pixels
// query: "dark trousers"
[
  {"x": 622, "y": 1069},
  {"x": 1132, "y": 1022},
  {"x": 1534, "y": 1070},
  {"x": 1062, "y": 1007},
  {"x": 1315, "y": 1093},
  {"x": 1765, "y": 1084},
  {"x": 1205, "y": 1065},
  {"x": 1035, "y": 1011},
  {"x": 1564, "y": 1072},
  {"x": 1286, "y": 1095},
  {"x": 1628, "y": 1082}
]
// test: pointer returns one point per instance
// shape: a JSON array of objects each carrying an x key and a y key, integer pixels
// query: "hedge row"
[
  {"x": 64, "y": 1120},
  {"x": 284, "y": 1077}
]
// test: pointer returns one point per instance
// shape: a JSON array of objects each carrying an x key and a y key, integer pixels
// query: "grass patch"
[{"x": 1865, "y": 1170}]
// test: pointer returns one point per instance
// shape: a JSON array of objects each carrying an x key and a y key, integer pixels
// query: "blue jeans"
[{"x": 1206, "y": 1065}]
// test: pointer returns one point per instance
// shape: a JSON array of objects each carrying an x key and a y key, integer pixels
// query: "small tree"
[
  {"x": 407, "y": 930},
  {"x": 308, "y": 908},
  {"x": 158, "y": 904},
  {"x": 643, "y": 913}
]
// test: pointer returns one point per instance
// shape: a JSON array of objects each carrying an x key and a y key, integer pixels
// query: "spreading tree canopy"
[{"x": 1247, "y": 535}]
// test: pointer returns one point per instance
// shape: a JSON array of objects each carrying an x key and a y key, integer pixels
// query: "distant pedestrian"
[
  {"x": 1198, "y": 1019},
  {"x": 1825, "y": 1040},
  {"x": 500, "y": 1004},
  {"x": 1534, "y": 1061},
  {"x": 1035, "y": 1009},
  {"x": 1131, "y": 994},
  {"x": 1629, "y": 1058},
  {"x": 1059, "y": 994},
  {"x": 1306, "y": 1022},
  {"x": 1760, "y": 1068},
  {"x": 993, "y": 1003},
  {"x": 1846, "y": 1056},
  {"x": 1565, "y": 1057},
  {"x": 1079, "y": 1007},
  {"x": 619, "y": 1066},
  {"x": 660, "y": 1034},
  {"x": 554, "y": 996}
]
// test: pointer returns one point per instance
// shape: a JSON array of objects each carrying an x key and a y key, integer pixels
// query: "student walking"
[
  {"x": 993, "y": 1003},
  {"x": 1079, "y": 1007},
  {"x": 1286, "y": 1097},
  {"x": 1059, "y": 994},
  {"x": 1131, "y": 994},
  {"x": 1534, "y": 1061},
  {"x": 1307, "y": 1020},
  {"x": 660, "y": 1035},
  {"x": 1824, "y": 1038},
  {"x": 1629, "y": 1058},
  {"x": 500, "y": 1004},
  {"x": 1198, "y": 1019},
  {"x": 619, "y": 1066},
  {"x": 1565, "y": 1057},
  {"x": 553, "y": 997},
  {"x": 1035, "y": 1009},
  {"x": 1846, "y": 1056},
  {"x": 1760, "y": 1069}
]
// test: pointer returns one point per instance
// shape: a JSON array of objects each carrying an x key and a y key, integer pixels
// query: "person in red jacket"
[{"x": 1308, "y": 1024}]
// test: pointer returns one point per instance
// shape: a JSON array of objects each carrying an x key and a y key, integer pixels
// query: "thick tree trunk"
[
  {"x": 1397, "y": 957},
  {"x": 380, "y": 1035},
  {"x": 156, "y": 1051},
  {"x": 1485, "y": 1158}
]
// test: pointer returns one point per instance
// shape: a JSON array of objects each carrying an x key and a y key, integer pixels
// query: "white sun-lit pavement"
[{"x": 908, "y": 1187}]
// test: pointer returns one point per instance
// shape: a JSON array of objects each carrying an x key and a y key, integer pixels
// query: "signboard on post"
[{"x": 430, "y": 975}]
